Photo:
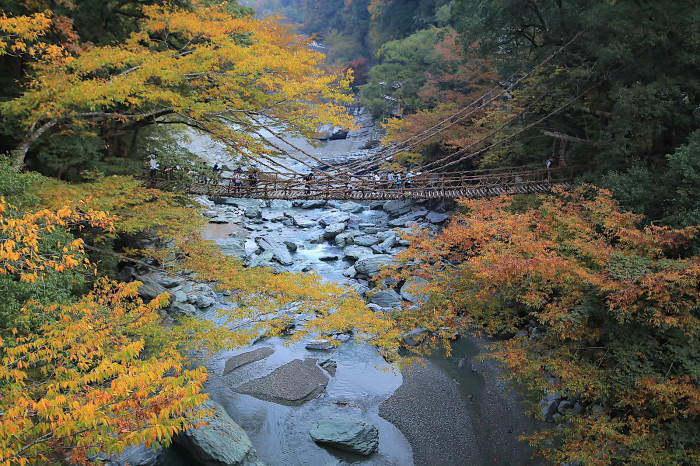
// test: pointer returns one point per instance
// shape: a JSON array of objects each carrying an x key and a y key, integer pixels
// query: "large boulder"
[
  {"x": 352, "y": 207},
  {"x": 549, "y": 405},
  {"x": 396, "y": 207},
  {"x": 184, "y": 309},
  {"x": 387, "y": 244},
  {"x": 220, "y": 442},
  {"x": 337, "y": 217},
  {"x": 303, "y": 222},
  {"x": 386, "y": 299},
  {"x": 279, "y": 250},
  {"x": 345, "y": 239},
  {"x": 407, "y": 219},
  {"x": 369, "y": 266},
  {"x": 164, "y": 280},
  {"x": 291, "y": 384},
  {"x": 234, "y": 247},
  {"x": 356, "y": 252},
  {"x": 280, "y": 204},
  {"x": 345, "y": 434},
  {"x": 264, "y": 259},
  {"x": 201, "y": 300},
  {"x": 152, "y": 290},
  {"x": 366, "y": 240},
  {"x": 333, "y": 230},
  {"x": 350, "y": 272},
  {"x": 252, "y": 212}
]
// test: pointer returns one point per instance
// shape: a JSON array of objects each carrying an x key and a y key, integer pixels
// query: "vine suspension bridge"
[
  {"x": 357, "y": 180},
  {"x": 468, "y": 184}
]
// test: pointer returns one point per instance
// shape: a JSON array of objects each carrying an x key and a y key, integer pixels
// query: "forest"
[{"x": 589, "y": 292}]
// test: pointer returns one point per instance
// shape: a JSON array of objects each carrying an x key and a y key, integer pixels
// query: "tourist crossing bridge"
[{"x": 471, "y": 184}]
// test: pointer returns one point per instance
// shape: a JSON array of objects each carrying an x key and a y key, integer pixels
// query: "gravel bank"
[{"x": 430, "y": 411}]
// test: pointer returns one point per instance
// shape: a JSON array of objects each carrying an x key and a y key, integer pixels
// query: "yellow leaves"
[
  {"x": 224, "y": 63},
  {"x": 21, "y": 237},
  {"x": 113, "y": 393}
]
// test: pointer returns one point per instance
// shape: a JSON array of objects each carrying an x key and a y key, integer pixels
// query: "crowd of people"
[{"x": 239, "y": 177}]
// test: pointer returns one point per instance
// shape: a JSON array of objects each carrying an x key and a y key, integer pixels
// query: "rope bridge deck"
[{"x": 469, "y": 184}]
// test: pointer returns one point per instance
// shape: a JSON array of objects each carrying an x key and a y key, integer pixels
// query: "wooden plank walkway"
[{"x": 471, "y": 184}]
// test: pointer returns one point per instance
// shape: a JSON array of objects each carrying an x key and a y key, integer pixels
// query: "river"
[{"x": 454, "y": 410}]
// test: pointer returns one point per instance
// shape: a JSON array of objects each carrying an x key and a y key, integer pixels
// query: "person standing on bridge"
[
  {"x": 308, "y": 178},
  {"x": 390, "y": 180},
  {"x": 236, "y": 179},
  {"x": 548, "y": 166},
  {"x": 253, "y": 177}
]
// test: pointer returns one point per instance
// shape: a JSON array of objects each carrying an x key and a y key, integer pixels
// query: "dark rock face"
[
  {"x": 353, "y": 436},
  {"x": 291, "y": 384},
  {"x": 220, "y": 442},
  {"x": 246, "y": 358}
]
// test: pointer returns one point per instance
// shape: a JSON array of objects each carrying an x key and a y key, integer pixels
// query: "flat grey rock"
[
  {"x": 237, "y": 361},
  {"x": 320, "y": 345},
  {"x": 291, "y": 384}
]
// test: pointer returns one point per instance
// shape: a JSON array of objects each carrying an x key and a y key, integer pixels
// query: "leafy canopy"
[{"x": 587, "y": 303}]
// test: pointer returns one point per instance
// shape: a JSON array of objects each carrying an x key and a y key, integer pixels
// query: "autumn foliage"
[
  {"x": 201, "y": 67},
  {"x": 588, "y": 303}
]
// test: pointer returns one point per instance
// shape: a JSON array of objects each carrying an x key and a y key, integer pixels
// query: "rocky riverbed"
[{"x": 455, "y": 409}]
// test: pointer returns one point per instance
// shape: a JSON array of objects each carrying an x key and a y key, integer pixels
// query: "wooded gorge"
[{"x": 588, "y": 294}]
